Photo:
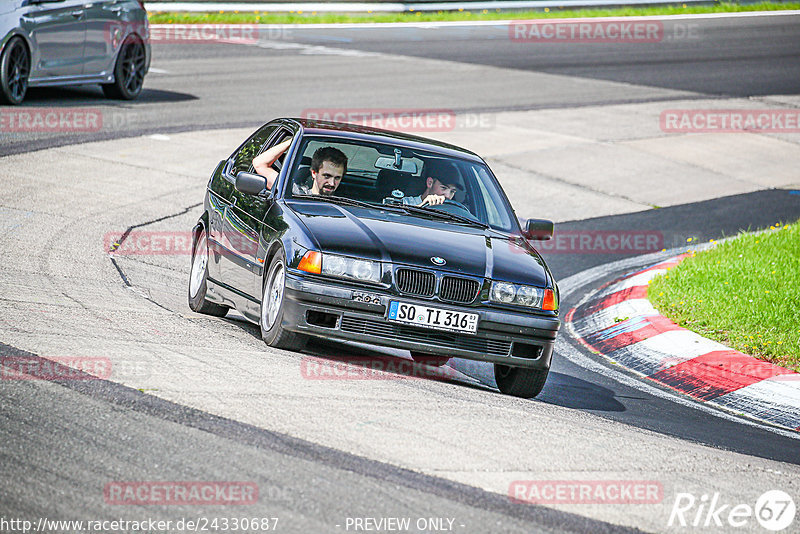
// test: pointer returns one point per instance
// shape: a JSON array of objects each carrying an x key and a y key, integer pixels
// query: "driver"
[{"x": 441, "y": 183}]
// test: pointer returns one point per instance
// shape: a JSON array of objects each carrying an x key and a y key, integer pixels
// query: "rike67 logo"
[{"x": 774, "y": 510}]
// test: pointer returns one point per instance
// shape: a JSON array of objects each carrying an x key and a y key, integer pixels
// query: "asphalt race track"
[{"x": 571, "y": 129}]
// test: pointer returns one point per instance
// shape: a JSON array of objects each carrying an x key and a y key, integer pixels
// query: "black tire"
[
  {"x": 519, "y": 381},
  {"x": 271, "y": 315},
  {"x": 429, "y": 359},
  {"x": 128, "y": 71},
  {"x": 197, "y": 279},
  {"x": 15, "y": 68}
]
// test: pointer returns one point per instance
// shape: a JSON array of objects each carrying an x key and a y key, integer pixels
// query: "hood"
[{"x": 405, "y": 239}]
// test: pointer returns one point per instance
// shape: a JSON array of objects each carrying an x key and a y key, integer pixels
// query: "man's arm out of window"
[{"x": 263, "y": 162}]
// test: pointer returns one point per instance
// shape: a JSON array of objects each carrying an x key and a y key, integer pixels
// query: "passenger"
[
  {"x": 328, "y": 166},
  {"x": 441, "y": 184}
]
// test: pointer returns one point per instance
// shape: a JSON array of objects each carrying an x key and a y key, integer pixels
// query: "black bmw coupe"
[{"x": 354, "y": 247}]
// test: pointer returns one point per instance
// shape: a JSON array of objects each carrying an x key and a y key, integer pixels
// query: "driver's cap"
[{"x": 444, "y": 171}]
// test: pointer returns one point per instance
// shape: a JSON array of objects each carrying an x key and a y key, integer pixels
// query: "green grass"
[
  {"x": 744, "y": 293},
  {"x": 305, "y": 17}
]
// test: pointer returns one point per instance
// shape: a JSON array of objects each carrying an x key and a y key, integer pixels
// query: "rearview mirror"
[
  {"x": 539, "y": 229},
  {"x": 390, "y": 163},
  {"x": 250, "y": 183}
]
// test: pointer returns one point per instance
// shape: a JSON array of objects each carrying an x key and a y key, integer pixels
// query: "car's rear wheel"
[
  {"x": 198, "y": 277},
  {"x": 272, "y": 298},
  {"x": 15, "y": 67},
  {"x": 519, "y": 381},
  {"x": 128, "y": 71},
  {"x": 429, "y": 359}
]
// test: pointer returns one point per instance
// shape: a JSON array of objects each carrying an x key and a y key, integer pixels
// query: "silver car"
[{"x": 73, "y": 42}]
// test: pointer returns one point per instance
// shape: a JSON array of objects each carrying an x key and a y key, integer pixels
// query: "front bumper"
[{"x": 511, "y": 338}]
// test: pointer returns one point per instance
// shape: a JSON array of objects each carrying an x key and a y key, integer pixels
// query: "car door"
[
  {"x": 220, "y": 189},
  {"x": 58, "y": 30},
  {"x": 105, "y": 27},
  {"x": 108, "y": 22},
  {"x": 239, "y": 226}
]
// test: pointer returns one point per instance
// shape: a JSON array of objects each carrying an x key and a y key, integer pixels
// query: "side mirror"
[
  {"x": 250, "y": 183},
  {"x": 539, "y": 229}
]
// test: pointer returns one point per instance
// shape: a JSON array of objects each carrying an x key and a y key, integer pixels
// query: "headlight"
[
  {"x": 335, "y": 265},
  {"x": 342, "y": 266},
  {"x": 366, "y": 270},
  {"x": 528, "y": 296},
  {"x": 502, "y": 292}
]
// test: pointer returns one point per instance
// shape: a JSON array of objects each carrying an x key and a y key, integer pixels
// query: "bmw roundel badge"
[{"x": 437, "y": 260}]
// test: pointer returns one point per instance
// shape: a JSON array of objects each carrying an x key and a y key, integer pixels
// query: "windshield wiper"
[
  {"x": 444, "y": 215},
  {"x": 339, "y": 200}
]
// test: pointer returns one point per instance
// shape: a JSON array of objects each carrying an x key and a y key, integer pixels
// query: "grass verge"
[
  {"x": 744, "y": 293},
  {"x": 312, "y": 17}
]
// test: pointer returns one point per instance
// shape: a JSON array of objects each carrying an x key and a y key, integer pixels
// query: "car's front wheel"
[
  {"x": 429, "y": 359},
  {"x": 519, "y": 381},
  {"x": 15, "y": 67},
  {"x": 198, "y": 277},
  {"x": 272, "y": 299},
  {"x": 129, "y": 70}
]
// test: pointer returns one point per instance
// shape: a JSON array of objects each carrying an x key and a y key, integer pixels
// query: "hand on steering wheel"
[
  {"x": 432, "y": 200},
  {"x": 446, "y": 202}
]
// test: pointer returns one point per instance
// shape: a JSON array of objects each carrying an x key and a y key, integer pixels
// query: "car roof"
[{"x": 367, "y": 133}]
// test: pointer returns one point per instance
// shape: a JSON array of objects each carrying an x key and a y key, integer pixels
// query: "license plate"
[{"x": 441, "y": 319}]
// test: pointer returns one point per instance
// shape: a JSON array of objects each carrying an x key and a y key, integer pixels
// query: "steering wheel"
[{"x": 447, "y": 202}]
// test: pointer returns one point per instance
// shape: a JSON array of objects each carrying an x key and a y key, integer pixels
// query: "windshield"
[{"x": 421, "y": 183}]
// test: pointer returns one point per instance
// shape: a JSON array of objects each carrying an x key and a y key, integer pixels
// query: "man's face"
[
  {"x": 435, "y": 187},
  {"x": 327, "y": 178}
]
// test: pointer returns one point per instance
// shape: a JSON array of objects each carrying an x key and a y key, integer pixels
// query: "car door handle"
[{"x": 77, "y": 14}]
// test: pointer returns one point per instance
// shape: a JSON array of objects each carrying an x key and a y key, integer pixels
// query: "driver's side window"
[
  {"x": 243, "y": 160},
  {"x": 282, "y": 136}
]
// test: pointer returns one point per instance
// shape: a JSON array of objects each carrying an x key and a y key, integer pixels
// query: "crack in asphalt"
[{"x": 119, "y": 242}]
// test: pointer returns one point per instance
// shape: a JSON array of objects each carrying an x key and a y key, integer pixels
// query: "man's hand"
[{"x": 432, "y": 200}]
